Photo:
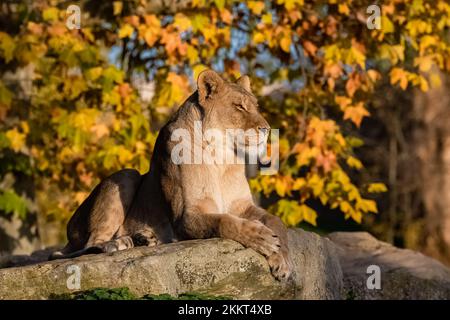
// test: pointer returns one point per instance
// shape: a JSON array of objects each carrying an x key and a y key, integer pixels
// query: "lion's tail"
[{"x": 68, "y": 253}]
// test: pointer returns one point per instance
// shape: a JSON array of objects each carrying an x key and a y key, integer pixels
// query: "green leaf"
[
  {"x": 5, "y": 95},
  {"x": 11, "y": 202},
  {"x": 7, "y": 46}
]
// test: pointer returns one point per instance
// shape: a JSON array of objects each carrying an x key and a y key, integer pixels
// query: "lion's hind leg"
[{"x": 95, "y": 225}]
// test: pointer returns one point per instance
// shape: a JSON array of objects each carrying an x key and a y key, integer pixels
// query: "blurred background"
[{"x": 359, "y": 91}]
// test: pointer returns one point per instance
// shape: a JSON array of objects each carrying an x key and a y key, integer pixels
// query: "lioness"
[{"x": 184, "y": 201}]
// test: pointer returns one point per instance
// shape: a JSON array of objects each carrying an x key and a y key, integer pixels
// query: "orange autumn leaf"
[
  {"x": 356, "y": 113},
  {"x": 310, "y": 47},
  {"x": 352, "y": 85},
  {"x": 400, "y": 76}
]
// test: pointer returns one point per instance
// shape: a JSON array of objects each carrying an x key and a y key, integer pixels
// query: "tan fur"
[{"x": 185, "y": 201}]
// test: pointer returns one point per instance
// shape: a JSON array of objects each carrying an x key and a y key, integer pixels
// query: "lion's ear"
[
  {"x": 208, "y": 83},
  {"x": 244, "y": 82}
]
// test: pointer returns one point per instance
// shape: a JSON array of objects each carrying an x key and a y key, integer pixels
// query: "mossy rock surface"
[
  {"x": 332, "y": 267},
  {"x": 126, "y": 294}
]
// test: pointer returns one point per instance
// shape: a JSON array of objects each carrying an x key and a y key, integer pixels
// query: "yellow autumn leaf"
[
  {"x": 356, "y": 56},
  {"x": 323, "y": 198},
  {"x": 284, "y": 147},
  {"x": 256, "y": 7},
  {"x": 304, "y": 157},
  {"x": 25, "y": 127},
  {"x": 424, "y": 63},
  {"x": 357, "y": 216},
  {"x": 427, "y": 41},
  {"x": 435, "y": 80},
  {"x": 417, "y": 26},
  {"x": 344, "y": 9},
  {"x": 267, "y": 18},
  {"x": 354, "y": 163},
  {"x": 50, "y": 14},
  {"x": 290, "y": 4},
  {"x": 423, "y": 84},
  {"x": 182, "y": 22},
  {"x": 333, "y": 53},
  {"x": 126, "y": 31},
  {"x": 386, "y": 25},
  {"x": 80, "y": 196},
  {"x": 376, "y": 187},
  {"x": 285, "y": 44},
  {"x": 117, "y": 7},
  {"x": 200, "y": 22},
  {"x": 298, "y": 184},
  {"x": 87, "y": 32},
  {"x": 367, "y": 205},
  {"x": 151, "y": 30},
  {"x": 316, "y": 184},
  {"x": 192, "y": 54},
  {"x": 394, "y": 53},
  {"x": 220, "y": 4},
  {"x": 173, "y": 90},
  {"x": 353, "y": 194},
  {"x": 294, "y": 217},
  {"x": 16, "y": 139},
  {"x": 341, "y": 140},
  {"x": 197, "y": 69},
  {"x": 124, "y": 156},
  {"x": 280, "y": 187},
  {"x": 399, "y": 51},
  {"x": 254, "y": 185},
  {"x": 400, "y": 76},
  {"x": 267, "y": 184},
  {"x": 309, "y": 215},
  {"x": 93, "y": 74},
  {"x": 258, "y": 37},
  {"x": 345, "y": 207}
]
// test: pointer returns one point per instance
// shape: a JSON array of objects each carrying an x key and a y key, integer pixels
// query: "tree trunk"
[{"x": 431, "y": 141}]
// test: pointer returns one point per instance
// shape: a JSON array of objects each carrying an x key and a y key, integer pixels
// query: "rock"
[
  {"x": 213, "y": 266},
  {"x": 405, "y": 274},
  {"x": 7, "y": 261},
  {"x": 318, "y": 273},
  {"x": 325, "y": 268}
]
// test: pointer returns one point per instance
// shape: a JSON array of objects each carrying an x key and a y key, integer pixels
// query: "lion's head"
[{"x": 231, "y": 107}]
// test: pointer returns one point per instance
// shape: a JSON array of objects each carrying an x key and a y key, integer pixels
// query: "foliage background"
[{"x": 77, "y": 105}]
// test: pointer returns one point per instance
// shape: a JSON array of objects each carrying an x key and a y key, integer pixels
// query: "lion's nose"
[{"x": 264, "y": 130}]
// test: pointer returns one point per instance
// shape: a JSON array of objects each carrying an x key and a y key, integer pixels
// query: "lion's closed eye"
[{"x": 240, "y": 106}]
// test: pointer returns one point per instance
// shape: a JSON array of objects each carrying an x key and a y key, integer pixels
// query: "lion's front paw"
[
  {"x": 261, "y": 238},
  {"x": 280, "y": 266}
]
